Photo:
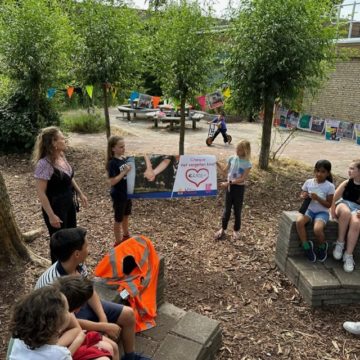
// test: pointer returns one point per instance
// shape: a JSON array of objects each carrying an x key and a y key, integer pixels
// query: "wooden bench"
[
  {"x": 175, "y": 120},
  {"x": 318, "y": 283}
]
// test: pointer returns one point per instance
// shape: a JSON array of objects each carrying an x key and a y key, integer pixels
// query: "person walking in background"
[
  {"x": 55, "y": 183},
  {"x": 219, "y": 121},
  {"x": 117, "y": 169},
  {"x": 346, "y": 209},
  {"x": 238, "y": 168},
  {"x": 320, "y": 190}
]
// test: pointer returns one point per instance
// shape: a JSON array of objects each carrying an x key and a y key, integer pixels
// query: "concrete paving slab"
[
  {"x": 146, "y": 346},
  {"x": 171, "y": 310},
  {"x": 348, "y": 280},
  {"x": 318, "y": 279},
  {"x": 177, "y": 348},
  {"x": 196, "y": 327},
  {"x": 164, "y": 323}
]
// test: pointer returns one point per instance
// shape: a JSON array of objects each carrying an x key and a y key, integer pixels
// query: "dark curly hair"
[{"x": 38, "y": 316}]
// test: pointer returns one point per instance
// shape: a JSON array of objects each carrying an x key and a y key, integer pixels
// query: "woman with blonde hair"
[{"x": 55, "y": 184}]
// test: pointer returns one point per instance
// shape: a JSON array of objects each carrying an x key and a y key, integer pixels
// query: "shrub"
[
  {"x": 83, "y": 123},
  {"x": 19, "y": 126}
]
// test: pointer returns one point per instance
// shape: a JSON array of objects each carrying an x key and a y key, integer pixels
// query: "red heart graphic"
[{"x": 197, "y": 177}]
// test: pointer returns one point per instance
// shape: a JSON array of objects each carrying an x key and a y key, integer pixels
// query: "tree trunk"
[
  {"x": 182, "y": 126},
  {"x": 106, "y": 111},
  {"x": 13, "y": 250},
  {"x": 266, "y": 133}
]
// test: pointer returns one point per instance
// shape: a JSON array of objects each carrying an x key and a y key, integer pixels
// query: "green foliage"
[
  {"x": 17, "y": 128},
  {"x": 35, "y": 39},
  {"x": 278, "y": 48},
  {"x": 82, "y": 122},
  {"x": 183, "y": 49},
  {"x": 106, "y": 52}
]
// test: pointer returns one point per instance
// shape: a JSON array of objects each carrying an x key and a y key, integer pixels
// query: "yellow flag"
[
  {"x": 114, "y": 91},
  {"x": 89, "y": 90},
  {"x": 227, "y": 92}
]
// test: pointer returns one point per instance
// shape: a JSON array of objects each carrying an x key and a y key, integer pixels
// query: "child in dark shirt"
[{"x": 118, "y": 168}]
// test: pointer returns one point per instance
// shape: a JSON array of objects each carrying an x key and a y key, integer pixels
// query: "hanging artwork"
[
  {"x": 305, "y": 122},
  {"x": 331, "y": 129},
  {"x": 346, "y": 130},
  {"x": 317, "y": 124}
]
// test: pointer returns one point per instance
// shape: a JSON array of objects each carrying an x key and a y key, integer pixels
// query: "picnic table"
[
  {"x": 175, "y": 120},
  {"x": 129, "y": 110}
]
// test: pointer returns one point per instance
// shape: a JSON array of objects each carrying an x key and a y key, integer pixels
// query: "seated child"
[
  {"x": 320, "y": 191},
  {"x": 37, "y": 321},
  {"x": 78, "y": 291}
]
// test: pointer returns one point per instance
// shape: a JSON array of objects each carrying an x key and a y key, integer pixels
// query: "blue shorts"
[
  {"x": 112, "y": 312},
  {"x": 354, "y": 207},
  {"x": 322, "y": 216}
]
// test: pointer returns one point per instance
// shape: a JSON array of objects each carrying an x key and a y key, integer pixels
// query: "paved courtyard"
[{"x": 305, "y": 147}]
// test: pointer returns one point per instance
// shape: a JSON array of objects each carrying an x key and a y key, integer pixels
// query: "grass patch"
[{"x": 82, "y": 122}]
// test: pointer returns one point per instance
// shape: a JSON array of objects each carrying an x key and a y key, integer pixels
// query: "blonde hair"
[
  {"x": 44, "y": 144},
  {"x": 244, "y": 145},
  {"x": 112, "y": 141},
  {"x": 357, "y": 163}
]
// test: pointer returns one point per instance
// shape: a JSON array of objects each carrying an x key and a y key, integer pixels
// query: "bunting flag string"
[
  {"x": 70, "y": 91},
  {"x": 114, "y": 91},
  {"x": 51, "y": 93},
  {"x": 89, "y": 90},
  {"x": 226, "y": 92},
  {"x": 156, "y": 101},
  {"x": 202, "y": 102}
]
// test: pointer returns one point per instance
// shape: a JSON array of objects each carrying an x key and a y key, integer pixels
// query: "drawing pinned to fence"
[
  {"x": 357, "y": 133},
  {"x": 317, "y": 124},
  {"x": 346, "y": 130},
  {"x": 331, "y": 130},
  {"x": 305, "y": 123}
]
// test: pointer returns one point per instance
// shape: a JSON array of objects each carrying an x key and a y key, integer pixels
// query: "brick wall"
[{"x": 339, "y": 98}]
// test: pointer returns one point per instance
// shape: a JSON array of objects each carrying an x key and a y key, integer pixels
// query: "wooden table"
[
  {"x": 128, "y": 110},
  {"x": 176, "y": 120}
]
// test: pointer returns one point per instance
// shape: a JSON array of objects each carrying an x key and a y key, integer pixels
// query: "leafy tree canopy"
[
  {"x": 184, "y": 49},
  {"x": 35, "y": 38},
  {"x": 109, "y": 43},
  {"x": 278, "y": 48}
]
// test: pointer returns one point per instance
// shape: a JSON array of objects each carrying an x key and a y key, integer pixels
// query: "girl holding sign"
[
  {"x": 238, "y": 168},
  {"x": 118, "y": 168}
]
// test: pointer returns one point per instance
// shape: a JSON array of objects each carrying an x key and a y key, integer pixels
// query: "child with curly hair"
[{"x": 37, "y": 322}]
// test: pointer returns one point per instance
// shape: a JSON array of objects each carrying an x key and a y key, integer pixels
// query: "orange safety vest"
[{"x": 141, "y": 283}]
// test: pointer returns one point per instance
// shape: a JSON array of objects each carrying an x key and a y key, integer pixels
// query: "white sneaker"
[
  {"x": 348, "y": 263},
  {"x": 338, "y": 250},
  {"x": 352, "y": 327},
  {"x": 219, "y": 234},
  {"x": 236, "y": 235}
]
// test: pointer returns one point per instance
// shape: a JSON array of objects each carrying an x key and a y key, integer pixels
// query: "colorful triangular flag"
[
  {"x": 89, "y": 90},
  {"x": 70, "y": 91},
  {"x": 50, "y": 93}
]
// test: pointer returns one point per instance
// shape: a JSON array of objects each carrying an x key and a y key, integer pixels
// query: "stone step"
[
  {"x": 318, "y": 283},
  {"x": 178, "y": 335}
]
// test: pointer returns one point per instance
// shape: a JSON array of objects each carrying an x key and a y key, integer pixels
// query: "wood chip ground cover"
[{"x": 261, "y": 313}]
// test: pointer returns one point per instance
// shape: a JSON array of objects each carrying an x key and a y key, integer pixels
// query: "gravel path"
[{"x": 304, "y": 147}]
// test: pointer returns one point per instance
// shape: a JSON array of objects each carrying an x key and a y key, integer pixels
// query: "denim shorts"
[
  {"x": 351, "y": 205},
  {"x": 111, "y": 310},
  {"x": 322, "y": 215}
]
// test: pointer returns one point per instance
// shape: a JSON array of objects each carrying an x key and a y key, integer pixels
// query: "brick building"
[{"x": 339, "y": 98}]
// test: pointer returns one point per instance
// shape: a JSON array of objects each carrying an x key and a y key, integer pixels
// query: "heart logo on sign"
[{"x": 197, "y": 177}]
